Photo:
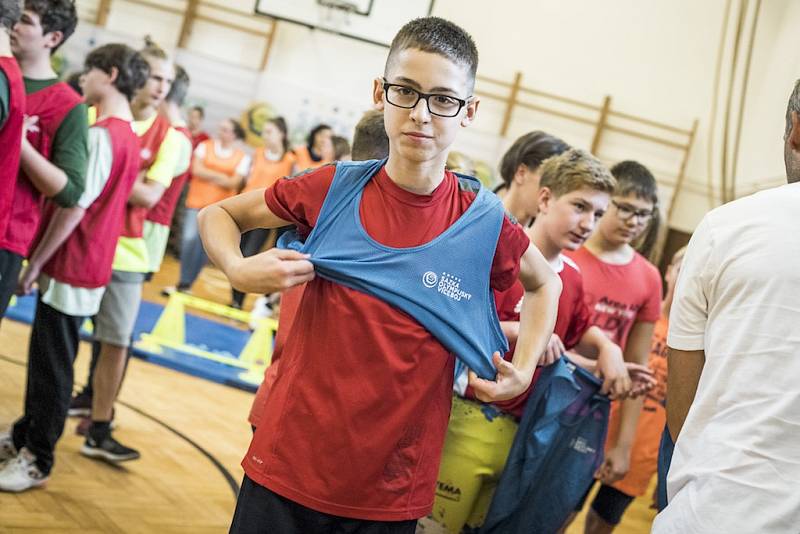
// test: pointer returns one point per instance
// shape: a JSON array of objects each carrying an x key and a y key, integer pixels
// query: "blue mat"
[{"x": 200, "y": 332}]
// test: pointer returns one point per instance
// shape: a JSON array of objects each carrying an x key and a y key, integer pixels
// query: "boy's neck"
[
  {"x": 418, "y": 178},
  {"x": 617, "y": 254},
  {"x": 142, "y": 112},
  {"x": 539, "y": 238},
  {"x": 172, "y": 111},
  {"x": 37, "y": 67},
  {"x": 114, "y": 104},
  {"x": 516, "y": 206}
]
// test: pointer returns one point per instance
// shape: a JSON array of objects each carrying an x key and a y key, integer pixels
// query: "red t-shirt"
[
  {"x": 619, "y": 295},
  {"x": 572, "y": 321},
  {"x": 355, "y": 421}
]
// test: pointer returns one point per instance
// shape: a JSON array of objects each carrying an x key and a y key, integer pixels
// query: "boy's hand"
[
  {"x": 611, "y": 368},
  {"x": 28, "y": 278},
  {"x": 615, "y": 465},
  {"x": 509, "y": 382},
  {"x": 555, "y": 349},
  {"x": 642, "y": 377},
  {"x": 274, "y": 270}
]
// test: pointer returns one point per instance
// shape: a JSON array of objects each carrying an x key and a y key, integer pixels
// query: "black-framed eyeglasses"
[
  {"x": 403, "y": 96},
  {"x": 626, "y": 211}
]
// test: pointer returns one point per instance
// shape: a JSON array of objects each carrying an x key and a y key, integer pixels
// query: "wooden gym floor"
[{"x": 192, "y": 435}]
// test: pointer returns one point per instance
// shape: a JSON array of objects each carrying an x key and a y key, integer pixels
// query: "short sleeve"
[
  {"x": 650, "y": 310},
  {"x": 98, "y": 168},
  {"x": 70, "y": 154},
  {"x": 243, "y": 169},
  {"x": 185, "y": 159},
  {"x": 689, "y": 313},
  {"x": 299, "y": 199},
  {"x": 163, "y": 168},
  {"x": 200, "y": 151},
  {"x": 511, "y": 245},
  {"x": 5, "y": 97}
]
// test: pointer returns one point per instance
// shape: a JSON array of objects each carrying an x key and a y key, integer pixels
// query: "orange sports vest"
[
  {"x": 304, "y": 160},
  {"x": 202, "y": 192},
  {"x": 265, "y": 172}
]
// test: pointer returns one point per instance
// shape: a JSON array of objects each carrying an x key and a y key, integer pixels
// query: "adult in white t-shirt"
[{"x": 734, "y": 365}]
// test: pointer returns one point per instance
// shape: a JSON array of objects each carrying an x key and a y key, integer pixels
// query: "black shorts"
[
  {"x": 261, "y": 511},
  {"x": 610, "y": 504}
]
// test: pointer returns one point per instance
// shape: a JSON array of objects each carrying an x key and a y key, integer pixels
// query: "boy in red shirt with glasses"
[{"x": 353, "y": 427}]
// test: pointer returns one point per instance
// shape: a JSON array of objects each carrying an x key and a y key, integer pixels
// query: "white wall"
[{"x": 657, "y": 59}]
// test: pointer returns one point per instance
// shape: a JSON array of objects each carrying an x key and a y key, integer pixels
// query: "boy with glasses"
[
  {"x": 623, "y": 290},
  {"x": 403, "y": 256}
]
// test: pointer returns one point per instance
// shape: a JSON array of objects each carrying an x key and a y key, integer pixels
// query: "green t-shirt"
[{"x": 70, "y": 151}]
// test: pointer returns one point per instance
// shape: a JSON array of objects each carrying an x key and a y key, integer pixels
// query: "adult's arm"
[{"x": 685, "y": 368}]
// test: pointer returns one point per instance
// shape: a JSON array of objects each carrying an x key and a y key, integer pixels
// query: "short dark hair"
[
  {"x": 531, "y": 150},
  {"x": 238, "y": 130},
  {"x": 132, "y": 69},
  {"x": 633, "y": 178},
  {"x": 180, "y": 87},
  {"x": 9, "y": 13},
  {"x": 200, "y": 109},
  {"x": 341, "y": 147},
  {"x": 370, "y": 140},
  {"x": 55, "y": 16},
  {"x": 313, "y": 134},
  {"x": 437, "y": 36}
]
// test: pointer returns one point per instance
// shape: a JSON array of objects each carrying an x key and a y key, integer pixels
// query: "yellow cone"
[
  {"x": 258, "y": 351},
  {"x": 171, "y": 325}
]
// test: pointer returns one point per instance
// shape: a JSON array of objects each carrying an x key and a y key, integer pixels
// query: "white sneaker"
[
  {"x": 7, "y": 449},
  {"x": 261, "y": 310},
  {"x": 20, "y": 473}
]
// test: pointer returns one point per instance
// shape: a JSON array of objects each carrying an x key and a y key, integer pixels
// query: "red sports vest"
[
  {"x": 51, "y": 105},
  {"x": 150, "y": 143},
  {"x": 85, "y": 258},
  {"x": 162, "y": 212},
  {"x": 10, "y": 138}
]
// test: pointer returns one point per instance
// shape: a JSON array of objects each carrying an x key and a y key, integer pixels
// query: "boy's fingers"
[{"x": 288, "y": 254}]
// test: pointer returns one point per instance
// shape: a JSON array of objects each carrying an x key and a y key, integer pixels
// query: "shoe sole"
[
  {"x": 107, "y": 456},
  {"x": 39, "y": 484},
  {"x": 79, "y": 412}
]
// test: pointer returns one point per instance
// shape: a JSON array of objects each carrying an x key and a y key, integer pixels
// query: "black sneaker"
[
  {"x": 80, "y": 405},
  {"x": 109, "y": 450}
]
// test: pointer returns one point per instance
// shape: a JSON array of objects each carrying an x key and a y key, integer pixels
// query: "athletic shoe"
[
  {"x": 86, "y": 422},
  {"x": 262, "y": 309},
  {"x": 169, "y": 290},
  {"x": 7, "y": 448},
  {"x": 20, "y": 473},
  {"x": 80, "y": 405},
  {"x": 109, "y": 450}
]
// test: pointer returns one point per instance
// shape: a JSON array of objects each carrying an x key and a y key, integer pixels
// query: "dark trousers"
[
  {"x": 251, "y": 244},
  {"x": 51, "y": 354},
  {"x": 10, "y": 267},
  {"x": 260, "y": 511}
]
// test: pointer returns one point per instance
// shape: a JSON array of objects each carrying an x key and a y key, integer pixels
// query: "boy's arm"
[
  {"x": 610, "y": 362},
  {"x": 537, "y": 319},
  {"x": 685, "y": 368},
  {"x": 617, "y": 460},
  {"x": 64, "y": 221},
  {"x": 62, "y": 177},
  {"x": 221, "y": 226},
  {"x": 146, "y": 192}
]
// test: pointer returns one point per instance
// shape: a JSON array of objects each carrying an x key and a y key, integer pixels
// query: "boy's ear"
[
  {"x": 377, "y": 94},
  {"x": 54, "y": 38},
  {"x": 545, "y": 198},
  {"x": 472, "y": 110},
  {"x": 113, "y": 75},
  {"x": 794, "y": 134}
]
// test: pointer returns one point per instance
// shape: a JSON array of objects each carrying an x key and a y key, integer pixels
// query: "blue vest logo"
[{"x": 430, "y": 279}]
